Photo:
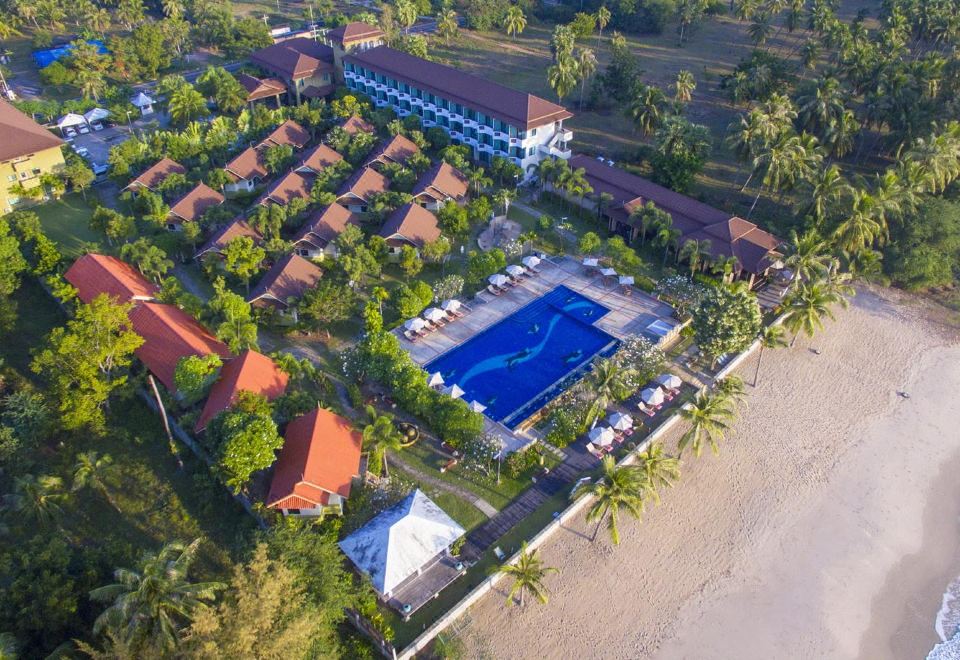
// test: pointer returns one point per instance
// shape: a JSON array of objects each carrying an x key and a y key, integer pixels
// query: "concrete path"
[{"x": 396, "y": 461}]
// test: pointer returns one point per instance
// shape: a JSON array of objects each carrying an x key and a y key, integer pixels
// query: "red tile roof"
[
  {"x": 293, "y": 184},
  {"x": 289, "y": 278},
  {"x": 191, "y": 206},
  {"x": 295, "y": 58},
  {"x": 248, "y": 372},
  {"x": 412, "y": 224},
  {"x": 354, "y": 124},
  {"x": 235, "y": 229},
  {"x": 320, "y": 455},
  {"x": 169, "y": 334},
  {"x": 352, "y": 33},
  {"x": 260, "y": 88},
  {"x": 21, "y": 135},
  {"x": 441, "y": 182},
  {"x": 290, "y": 133},
  {"x": 319, "y": 158},
  {"x": 247, "y": 165},
  {"x": 93, "y": 274},
  {"x": 397, "y": 149},
  {"x": 323, "y": 226},
  {"x": 364, "y": 183},
  {"x": 517, "y": 108},
  {"x": 155, "y": 175}
]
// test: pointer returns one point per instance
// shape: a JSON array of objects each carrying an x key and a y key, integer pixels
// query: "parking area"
[{"x": 94, "y": 145}]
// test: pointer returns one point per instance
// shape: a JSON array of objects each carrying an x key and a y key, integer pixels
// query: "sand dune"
[{"x": 827, "y": 527}]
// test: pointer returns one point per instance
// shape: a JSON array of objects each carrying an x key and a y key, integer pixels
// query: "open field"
[{"x": 66, "y": 222}]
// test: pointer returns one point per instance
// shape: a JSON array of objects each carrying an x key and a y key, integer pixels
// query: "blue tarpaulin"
[{"x": 48, "y": 56}]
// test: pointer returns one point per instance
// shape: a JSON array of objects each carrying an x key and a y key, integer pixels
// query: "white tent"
[
  {"x": 415, "y": 324},
  {"x": 620, "y": 422},
  {"x": 652, "y": 396},
  {"x": 453, "y": 391},
  {"x": 602, "y": 436},
  {"x": 399, "y": 542},
  {"x": 476, "y": 406},
  {"x": 71, "y": 119},
  {"x": 608, "y": 272},
  {"x": 626, "y": 279},
  {"x": 590, "y": 262},
  {"x": 531, "y": 261},
  {"x": 497, "y": 279},
  {"x": 451, "y": 305},
  {"x": 435, "y": 380},
  {"x": 515, "y": 270},
  {"x": 670, "y": 381},
  {"x": 95, "y": 115},
  {"x": 144, "y": 102},
  {"x": 435, "y": 314}
]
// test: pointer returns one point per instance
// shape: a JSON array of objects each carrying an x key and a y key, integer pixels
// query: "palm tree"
[
  {"x": 708, "y": 415},
  {"x": 647, "y": 108},
  {"x": 760, "y": 30},
  {"x": 827, "y": 188},
  {"x": 666, "y": 237},
  {"x": 808, "y": 304},
  {"x": 808, "y": 256},
  {"x": 586, "y": 66},
  {"x": 478, "y": 179},
  {"x": 514, "y": 22},
  {"x": 92, "y": 471},
  {"x": 527, "y": 573},
  {"x": 864, "y": 225},
  {"x": 732, "y": 390},
  {"x": 725, "y": 267},
  {"x": 379, "y": 436},
  {"x": 771, "y": 336},
  {"x": 149, "y": 606},
  {"x": 695, "y": 252},
  {"x": 545, "y": 171},
  {"x": 447, "y": 25},
  {"x": 503, "y": 197},
  {"x": 406, "y": 12},
  {"x": 660, "y": 470},
  {"x": 607, "y": 382},
  {"x": 621, "y": 486},
  {"x": 684, "y": 86},
  {"x": 37, "y": 498},
  {"x": 602, "y": 20},
  {"x": 186, "y": 104},
  {"x": 562, "y": 76}
]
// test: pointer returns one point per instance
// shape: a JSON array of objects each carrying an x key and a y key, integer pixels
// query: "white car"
[
  {"x": 98, "y": 127},
  {"x": 70, "y": 133},
  {"x": 83, "y": 152},
  {"x": 83, "y": 130}
]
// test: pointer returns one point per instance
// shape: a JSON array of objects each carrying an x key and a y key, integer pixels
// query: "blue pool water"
[
  {"x": 48, "y": 56},
  {"x": 517, "y": 365}
]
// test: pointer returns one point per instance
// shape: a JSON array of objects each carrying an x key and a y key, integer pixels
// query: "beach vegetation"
[
  {"x": 528, "y": 573},
  {"x": 709, "y": 416},
  {"x": 726, "y": 320},
  {"x": 620, "y": 489},
  {"x": 811, "y": 302}
]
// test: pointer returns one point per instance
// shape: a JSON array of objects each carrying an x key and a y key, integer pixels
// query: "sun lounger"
[
  {"x": 411, "y": 337},
  {"x": 646, "y": 411},
  {"x": 498, "y": 553},
  {"x": 494, "y": 290}
]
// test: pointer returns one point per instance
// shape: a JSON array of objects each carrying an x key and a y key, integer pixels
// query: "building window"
[{"x": 12, "y": 177}]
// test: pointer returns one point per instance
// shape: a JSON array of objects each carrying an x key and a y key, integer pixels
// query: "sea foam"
[{"x": 947, "y": 625}]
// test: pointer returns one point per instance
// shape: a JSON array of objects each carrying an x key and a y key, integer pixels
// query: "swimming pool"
[{"x": 518, "y": 364}]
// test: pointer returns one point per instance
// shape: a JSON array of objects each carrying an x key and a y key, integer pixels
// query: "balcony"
[
  {"x": 566, "y": 135},
  {"x": 554, "y": 151}
]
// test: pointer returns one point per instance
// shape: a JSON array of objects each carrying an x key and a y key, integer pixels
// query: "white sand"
[{"x": 827, "y": 527}]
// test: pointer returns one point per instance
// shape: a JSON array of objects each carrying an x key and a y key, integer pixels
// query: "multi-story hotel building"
[
  {"x": 491, "y": 119},
  {"x": 27, "y": 152}
]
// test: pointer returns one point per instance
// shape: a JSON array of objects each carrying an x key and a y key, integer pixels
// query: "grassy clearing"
[
  {"x": 459, "y": 509},
  {"x": 66, "y": 221}
]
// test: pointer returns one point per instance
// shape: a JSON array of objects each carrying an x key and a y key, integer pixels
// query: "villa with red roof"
[
  {"x": 318, "y": 159},
  {"x": 284, "y": 283},
  {"x": 355, "y": 124},
  {"x": 219, "y": 241},
  {"x": 292, "y": 185},
  {"x": 155, "y": 175},
  {"x": 357, "y": 191},
  {"x": 246, "y": 170},
  {"x": 316, "y": 239},
  {"x": 248, "y": 372},
  {"x": 397, "y": 149},
  {"x": 261, "y": 88},
  {"x": 289, "y": 133},
  {"x": 316, "y": 466},
  {"x": 440, "y": 184},
  {"x": 193, "y": 205},
  {"x": 410, "y": 225},
  {"x": 93, "y": 274}
]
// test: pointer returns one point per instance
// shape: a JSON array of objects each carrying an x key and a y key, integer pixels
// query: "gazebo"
[
  {"x": 70, "y": 120},
  {"x": 144, "y": 103}
]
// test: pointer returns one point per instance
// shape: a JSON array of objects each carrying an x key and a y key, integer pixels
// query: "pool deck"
[{"x": 628, "y": 315}]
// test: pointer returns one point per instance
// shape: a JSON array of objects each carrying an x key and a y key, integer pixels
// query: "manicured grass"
[
  {"x": 459, "y": 509},
  {"x": 67, "y": 222}
]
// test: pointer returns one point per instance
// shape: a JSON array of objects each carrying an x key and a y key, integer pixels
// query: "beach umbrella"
[
  {"x": 652, "y": 396},
  {"x": 434, "y": 314},
  {"x": 476, "y": 406},
  {"x": 515, "y": 270},
  {"x": 620, "y": 422},
  {"x": 435, "y": 380},
  {"x": 670, "y": 381},
  {"x": 608, "y": 272},
  {"x": 453, "y": 391},
  {"x": 451, "y": 305},
  {"x": 415, "y": 324},
  {"x": 531, "y": 261},
  {"x": 497, "y": 279},
  {"x": 590, "y": 262},
  {"x": 602, "y": 436},
  {"x": 626, "y": 280}
]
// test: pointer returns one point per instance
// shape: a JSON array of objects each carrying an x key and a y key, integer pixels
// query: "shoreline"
[{"x": 809, "y": 535}]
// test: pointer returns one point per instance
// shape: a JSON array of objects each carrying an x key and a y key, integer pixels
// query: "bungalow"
[
  {"x": 410, "y": 225},
  {"x": 355, "y": 124},
  {"x": 316, "y": 238},
  {"x": 93, "y": 274},
  {"x": 316, "y": 466},
  {"x": 169, "y": 334},
  {"x": 192, "y": 206},
  {"x": 284, "y": 283},
  {"x": 219, "y": 241},
  {"x": 441, "y": 183},
  {"x": 291, "y": 186},
  {"x": 289, "y": 133},
  {"x": 155, "y": 175},
  {"x": 261, "y": 88},
  {"x": 246, "y": 171},
  {"x": 357, "y": 191},
  {"x": 305, "y": 66},
  {"x": 397, "y": 149},
  {"x": 248, "y": 372},
  {"x": 318, "y": 159}
]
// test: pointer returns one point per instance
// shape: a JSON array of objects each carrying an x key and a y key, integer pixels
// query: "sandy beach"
[{"x": 828, "y": 526}]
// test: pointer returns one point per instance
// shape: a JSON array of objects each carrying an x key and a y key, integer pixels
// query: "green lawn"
[
  {"x": 67, "y": 222},
  {"x": 459, "y": 509}
]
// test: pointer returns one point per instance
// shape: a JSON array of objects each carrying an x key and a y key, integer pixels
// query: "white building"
[{"x": 491, "y": 119}]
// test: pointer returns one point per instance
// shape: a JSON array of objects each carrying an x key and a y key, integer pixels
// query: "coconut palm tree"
[
  {"x": 684, "y": 86},
  {"x": 150, "y": 605},
  {"x": 186, "y": 104},
  {"x": 649, "y": 218},
  {"x": 809, "y": 303},
  {"x": 515, "y": 22},
  {"x": 92, "y": 471},
  {"x": 667, "y": 237},
  {"x": 827, "y": 188},
  {"x": 647, "y": 108},
  {"x": 760, "y": 30},
  {"x": 562, "y": 76},
  {"x": 620, "y": 487},
  {"x": 527, "y": 573},
  {"x": 379, "y": 436},
  {"x": 606, "y": 383},
  {"x": 732, "y": 390},
  {"x": 602, "y": 20},
  {"x": 697, "y": 253},
  {"x": 660, "y": 470},
  {"x": 406, "y": 11},
  {"x": 586, "y": 67},
  {"x": 37, "y": 498},
  {"x": 478, "y": 179},
  {"x": 771, "y": 336},
  {"x": 447, "y": 25},
  {"x": 864, "y": 225},
  {"x": 725, "y": 267},
  {"x": 808, "y": 255},
  {"x": 709, "y": 416}
]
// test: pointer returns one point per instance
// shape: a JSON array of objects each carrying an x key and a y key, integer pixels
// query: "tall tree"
[
  {"x": 93, "y": 470},
  {"x": 647, "y": 108},
  {"x": 380, "y": 435},
  {"x": 660, "y": 470},
  {"x": 619, "y": 488},
  {"x": 809, "y": 303},
  {"x": 771, "y": 336},
  {"x": 37, "y": 499},
  {"x": 606, "y": 383},
  {"x": 527, "y": 573},
  {"x": 684, "y": 86},
  {"x": 709, "y": 416}
]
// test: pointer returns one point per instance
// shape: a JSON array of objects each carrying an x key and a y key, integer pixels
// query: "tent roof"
[
  {"x": 71, "y": 119},
  {"x": 141, "y": 100},
  {"x": 96, "y": 114}
]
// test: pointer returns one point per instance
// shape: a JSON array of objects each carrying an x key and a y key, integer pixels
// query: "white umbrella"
[
  {"x": 608, "y": 272},
  {"x": 476, "y": 406},
  {"x": 515, "y": 270},
  {"x": 620, "y": 422},
  {"x": 415, "y": 324},
  {"x": 435, "y": 380},
  {"x": 670, "y": 381},
  {"x": 451, "y": 305},
  {"x": 590, "y": 262},
  {"x": 626, "y": 279},
  {"x": 531, "y": 261},
  {"x": 602, "y": 436},
  {"x": 71, "y": 119},
  {"x": 497, "y": 279},
  {"x": 434, "y": 314},
  {"x": 652, "y": 396},
  {"x": 453, "y": 391}
]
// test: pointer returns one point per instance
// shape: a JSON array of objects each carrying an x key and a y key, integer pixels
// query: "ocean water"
[{"x": 947, "y": 625}]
